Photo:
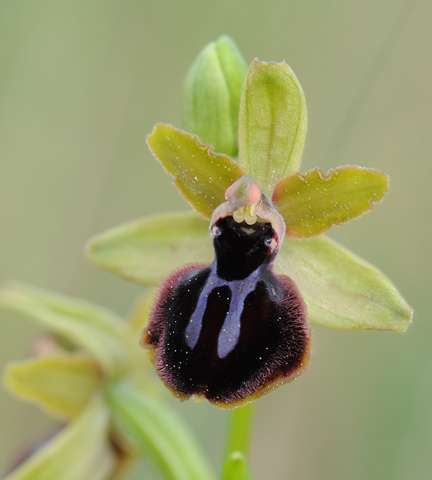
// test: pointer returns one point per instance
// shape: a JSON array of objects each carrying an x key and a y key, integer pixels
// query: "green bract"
[{"x": 341, "y": 290}]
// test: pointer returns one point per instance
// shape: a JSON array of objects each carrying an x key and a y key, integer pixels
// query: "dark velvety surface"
[
  {"x": 274, "y": 333},
  {"x": 241, "y": 248}
]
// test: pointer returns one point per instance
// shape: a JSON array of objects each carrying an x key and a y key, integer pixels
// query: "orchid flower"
[{"x": 230, "y": 323}]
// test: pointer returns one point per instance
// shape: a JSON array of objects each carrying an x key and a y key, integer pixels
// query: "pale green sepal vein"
[
  {"x": 61, "y": 384},
  {"x": 272, "y": 123},
  {"x": 80, "y": 451},
  {"x": 157, "y": 433},
  {"x": 201, "y": 175},
  {"x": 147, "y": 250},
  {"x": 90, "y": 327},
  {"x": 313, "y": 202},
  {"x": 342, "y": 290}
]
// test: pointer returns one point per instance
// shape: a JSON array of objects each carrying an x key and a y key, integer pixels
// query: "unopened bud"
[{"x": 212, "y": 92}]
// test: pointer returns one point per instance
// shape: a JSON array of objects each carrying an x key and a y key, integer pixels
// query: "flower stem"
[
  {"x": 240, "y": 429},
  {"x": 239, "y": 436}
]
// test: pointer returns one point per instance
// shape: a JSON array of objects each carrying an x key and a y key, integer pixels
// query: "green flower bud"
[{"x": 211, "y": 97}]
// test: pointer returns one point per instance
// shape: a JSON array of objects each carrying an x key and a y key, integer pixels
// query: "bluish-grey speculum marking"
[{"x": 230, "y": 332}]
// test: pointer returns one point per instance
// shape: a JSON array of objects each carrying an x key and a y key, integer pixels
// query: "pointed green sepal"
[
  {"x": 80, "y": 451},
  {"x": 60, "y": 384},
  {"x": 236, "y": 467},
  {"x": 313, "y": 202},
  {"x": 342, "y": 290},
  {"x": 90, "y": 327},
  {"x": 211, "y": 95},
  {"x": 147, "y": 250},
  {"x": 201, "y": 175},
  {"x": 153, "y": 429},
  {"x": 272, "y": 125}
]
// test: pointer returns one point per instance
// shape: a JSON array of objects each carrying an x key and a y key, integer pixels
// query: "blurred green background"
[{"x": 82, "y": 83}]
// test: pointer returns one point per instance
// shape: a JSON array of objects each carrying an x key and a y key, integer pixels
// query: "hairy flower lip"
[{"x": 229, "y": 358}]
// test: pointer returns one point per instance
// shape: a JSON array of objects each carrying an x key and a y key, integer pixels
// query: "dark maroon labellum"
[{"x": 234, "y": 330}]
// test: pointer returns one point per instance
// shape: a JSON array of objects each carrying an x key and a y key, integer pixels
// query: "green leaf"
[
  {"x": 103, "y": 335},
  {"x": 236, "y": 467},
  {"x": 272, "y": 126},
  {"x": 201, "y": 175},
  {"x": 314, "y": 202},
  {"x": 147, "y": 250},
  {"x": 211, "y": 95},
  {"x": 157, "y": 433},
  {"x": 342, "y": 290},
  {"x": 80, "y": 451},
  {"x": 60, "y": 384}
]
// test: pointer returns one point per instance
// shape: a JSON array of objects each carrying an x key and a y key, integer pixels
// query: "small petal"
[
  {"x": 80, "y": 451},
  {"x": 153, "y": 429},
  {"x": 201, "y": 175},
  {"x": 211, "y": 95},
  {"x": 272, "y": 125},
  {"x": 146, "y": 250},
  {"x": 61, "y": 384},
  {"x": 314, "y": 202},
  {"x": 103, "y": 335},
  {"x": 340, "y": 289}
]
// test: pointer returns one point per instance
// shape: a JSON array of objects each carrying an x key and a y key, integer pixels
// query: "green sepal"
[
  {"x": 147, "y": 250},
  {"x": 342, "y": 290},
  {"x": 211, "y": 95},
  {"x": 236, "y": 467},
  {"x": 157, "y": 433},
  {"x": 80, "y": 451},
  {"x": 61, "y": 384},
  {"x": 90, "y": 327},
  {"x": 201, "y": 175},
  {"x": 313, "y": 202},
  {"x": 272, "y": 124}
]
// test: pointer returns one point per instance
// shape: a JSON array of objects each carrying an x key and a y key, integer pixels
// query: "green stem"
[
  {"x": 238, "y": 442},
  {"x": 240, "y": 429}
]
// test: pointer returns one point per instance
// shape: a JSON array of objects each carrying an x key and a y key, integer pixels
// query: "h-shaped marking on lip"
[{"x": 230, "y": 332}]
